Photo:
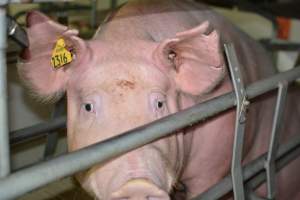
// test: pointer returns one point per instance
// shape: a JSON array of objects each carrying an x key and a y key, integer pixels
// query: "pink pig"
[{"x": 150, "y": 59}]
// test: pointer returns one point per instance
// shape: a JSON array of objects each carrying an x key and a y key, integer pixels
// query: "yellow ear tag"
[{"x": 60, "y": 55}]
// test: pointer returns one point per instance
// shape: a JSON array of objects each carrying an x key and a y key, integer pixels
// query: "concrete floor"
[{"x": 65, "y": 189}]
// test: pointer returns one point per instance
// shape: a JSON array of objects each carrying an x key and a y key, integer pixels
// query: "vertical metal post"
[
  {"x": 269, "y": 164},
  {"x": 52, "y": 137},
  {"x": 94, "y": 5},
  {"x": 242, "y": 103},
  {"x": 113, "y": 4},
  {"x": 4, "y": 139},
  {"x": 274, "y": 143}
]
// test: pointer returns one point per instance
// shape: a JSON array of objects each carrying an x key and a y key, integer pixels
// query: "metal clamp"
[
  {"x": 273, "y": 146},
  {"x": 16, "y": 32},
  {"x": 242, "y": 104}
]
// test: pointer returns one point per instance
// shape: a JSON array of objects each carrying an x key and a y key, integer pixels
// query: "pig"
[{"x": 147, "y": 60}]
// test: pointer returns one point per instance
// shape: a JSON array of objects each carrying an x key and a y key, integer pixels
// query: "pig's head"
[{"x": 113, "y": 87}]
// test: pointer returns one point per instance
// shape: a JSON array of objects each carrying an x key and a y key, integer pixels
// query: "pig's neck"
[{"x": 202, "y": 143}]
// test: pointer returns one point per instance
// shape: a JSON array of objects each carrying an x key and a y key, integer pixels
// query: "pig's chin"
[{"x": 127, "y": 186}]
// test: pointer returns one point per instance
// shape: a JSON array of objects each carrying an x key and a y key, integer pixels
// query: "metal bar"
[
  {"x": 286, "y": 153},
  {"x": 237, "y": 153},
  {"x": 276, "y": 45},
  {"x": 274, "y": 143},
  {"x": 46, "y": 172},
  {"x": 290, "y": 154},
  {"x": 113, "y": 4},
  {"x": 37, "y": 1},
  {"x": 263, "y": 86},
  {"x": 38, "y": 130},
  {"x": 52, "y": 137},
  {"x": 273, "y": 147},
  {"x": 94, "y": 4},
  {"x": 4, "y": 138},
  {"x": 17, "y": 33}
]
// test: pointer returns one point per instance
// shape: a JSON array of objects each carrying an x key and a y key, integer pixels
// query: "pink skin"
[
  {"x": 131, "y": 74},
  {"x": 137, "y": 94}
]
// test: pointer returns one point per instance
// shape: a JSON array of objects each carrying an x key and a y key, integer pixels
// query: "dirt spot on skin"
[{"x": 124, "y": 84}]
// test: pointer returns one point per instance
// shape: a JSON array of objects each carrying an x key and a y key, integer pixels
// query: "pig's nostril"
[{"x": 139, "y": 189}]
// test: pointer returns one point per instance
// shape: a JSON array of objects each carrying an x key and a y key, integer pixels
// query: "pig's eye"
[
  {"x": 158, "y": 104},
  {"x": 90, "y": 104},
  {"x": 88, "y": 107}
]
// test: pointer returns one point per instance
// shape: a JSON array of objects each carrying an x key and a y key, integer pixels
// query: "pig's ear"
[
  {"x": 195, "y": 56},
  {"x": 35, "y": 67}
]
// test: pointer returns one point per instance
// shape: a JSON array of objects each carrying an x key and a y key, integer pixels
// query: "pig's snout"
[
  {"x": 142, "y": 174},
  {"x": 139, "y": 189}
]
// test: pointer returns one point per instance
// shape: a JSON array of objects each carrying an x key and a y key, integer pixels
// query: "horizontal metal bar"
[
  {"x": 276, "y": 45},
  {"x": 284, "y": 47},
  {"x": 263, "y": 86},
  {"x": 46, "y": 172},
  {"x": 286, "y": 153},
  {"x": 38, "y": 130},
  {"x": 35, "y": 1}
]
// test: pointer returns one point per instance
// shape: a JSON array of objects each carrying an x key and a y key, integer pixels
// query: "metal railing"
[
  {"x": 35, "y": 1},
  {"x": 253, "y": 173},
  {"x": 16, "y": 184},
  {"x": 38, "y": 130}
]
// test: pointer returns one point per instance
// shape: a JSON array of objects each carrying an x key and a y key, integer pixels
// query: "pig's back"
[{"x": 157, "y": 20}]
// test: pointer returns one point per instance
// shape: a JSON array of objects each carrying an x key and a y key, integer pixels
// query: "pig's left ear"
[
  {"x": 36, "y": 70},
  {"x": 195, "y": 56}
]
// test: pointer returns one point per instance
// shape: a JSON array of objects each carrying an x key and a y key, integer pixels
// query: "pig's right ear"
[
  {"x": 35, "y": 68},
  {"x": 195, "y": 56}
]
